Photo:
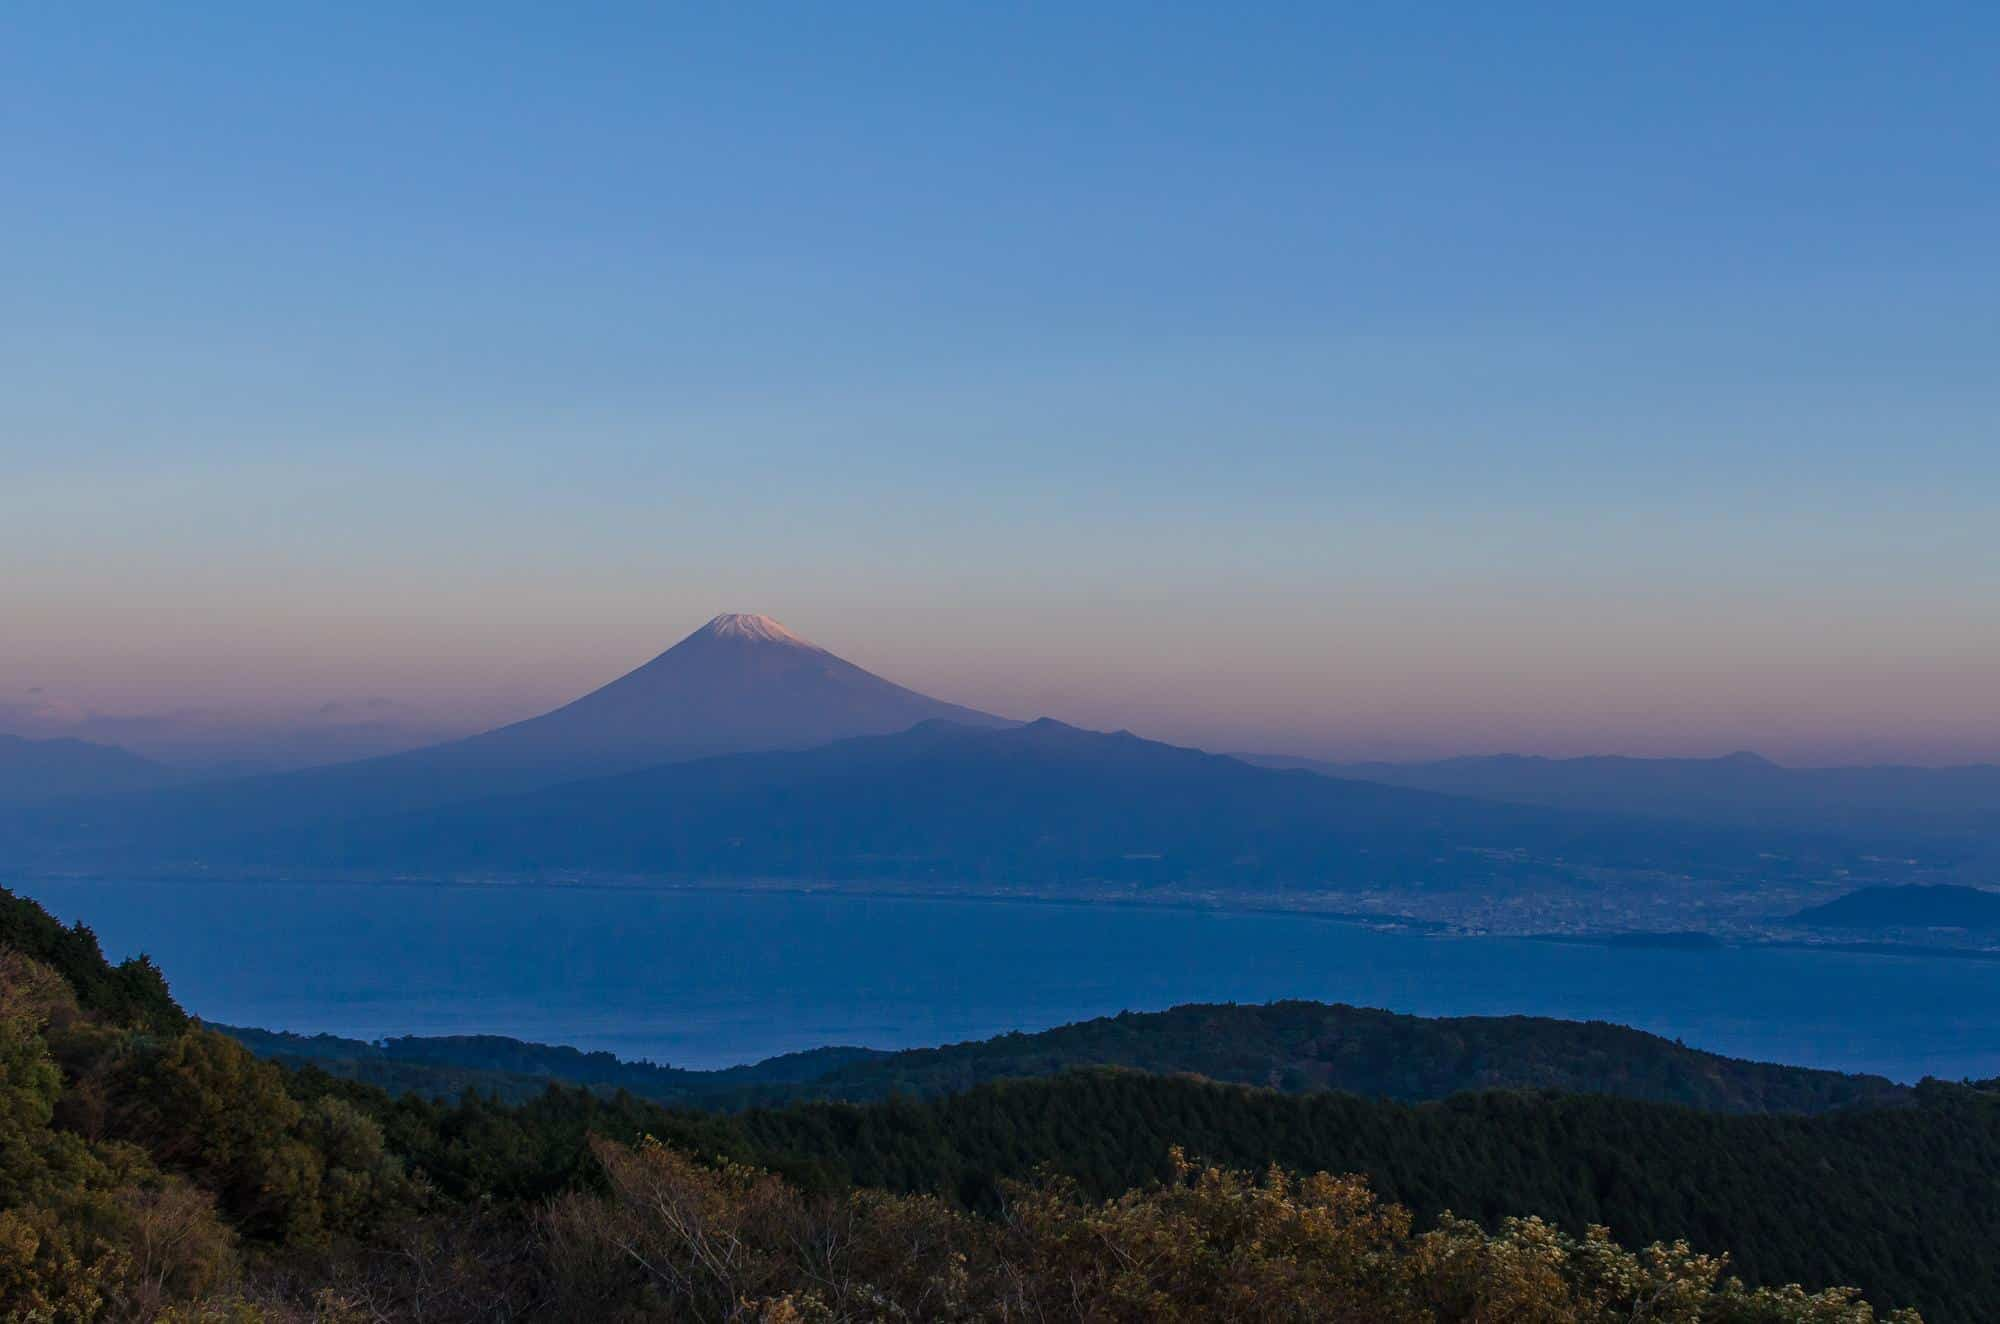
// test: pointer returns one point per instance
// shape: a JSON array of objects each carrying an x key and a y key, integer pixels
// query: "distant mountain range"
[
  {"x": 1743, "y": 790},
  {"x": 739, "y": 683},
  {"x": 38, "y": 771},
  {"x": 1299, "y": 1047},
  {"x": 1041, "y": 803},
  {"x": 747, "y": 752}
]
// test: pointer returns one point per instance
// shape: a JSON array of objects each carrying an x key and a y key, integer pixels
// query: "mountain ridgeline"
[
  {"x": 39, "y": 771},
  {"x": 1296, "y": 1047},
  {"x": 746, "y": 752},
  {"x": 1737, "y": 790},
  {"x": 1040, "y": 803},
  {"x": 740, "y": 683}
]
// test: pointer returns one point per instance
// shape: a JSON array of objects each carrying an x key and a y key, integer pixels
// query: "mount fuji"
[{"x": 740, "y": 684}]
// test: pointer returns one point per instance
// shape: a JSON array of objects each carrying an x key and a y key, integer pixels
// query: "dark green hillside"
[
  {"x": 1306, "y": 1046},
  {"x": 133, "y": 992},
  {"x": 445, "y": 1066},
  {"x": 1904, "y": 1201},
  {"x": 1292, "y": 1046},
  {"x": 151, "y": 1169}
]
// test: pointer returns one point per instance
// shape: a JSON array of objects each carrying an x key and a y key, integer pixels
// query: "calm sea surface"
[{"x": 706, "y": 979}]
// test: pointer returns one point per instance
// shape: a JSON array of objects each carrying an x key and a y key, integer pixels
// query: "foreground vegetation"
[{"x": 152, "y": 1169}]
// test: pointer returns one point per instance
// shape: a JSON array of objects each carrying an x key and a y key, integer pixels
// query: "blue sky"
[{"x": 1382, "y": 379}]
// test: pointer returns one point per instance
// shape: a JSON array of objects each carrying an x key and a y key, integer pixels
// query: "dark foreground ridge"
[
  {"x": 1295, "y": 1047},
  {"x": 153, "y": 1169}
]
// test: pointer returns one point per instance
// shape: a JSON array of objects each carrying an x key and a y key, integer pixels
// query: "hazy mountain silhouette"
[
  {"x": 746, "y": 751},
  {"x": 1042, "y": 802},
  {"x": 739, "y": 683},
  {"x": 1942, "y": 906},
  {"x": 33, "y": 771},
  {"x": 1740, "y": 789}
]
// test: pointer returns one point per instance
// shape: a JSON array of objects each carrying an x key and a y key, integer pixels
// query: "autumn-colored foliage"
[
  {"x": 153, "y": 1170},
  {"x": 674, "y": 1238}
]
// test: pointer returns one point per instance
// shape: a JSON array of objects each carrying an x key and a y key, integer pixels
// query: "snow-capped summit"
[{"x": 758, "y": 629}]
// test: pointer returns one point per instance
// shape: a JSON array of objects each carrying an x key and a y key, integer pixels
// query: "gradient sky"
[{"x": 1348, "y": 379}]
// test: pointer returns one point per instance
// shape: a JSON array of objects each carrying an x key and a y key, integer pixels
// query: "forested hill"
[
  {"x": 445, "y": 1066},
  {"x": 151, "y": 1169},
  {"x": 1307, "y": 1046},
  {"x": 1291, "y": 1046},
  {"x": 1898, "y": 1200}
]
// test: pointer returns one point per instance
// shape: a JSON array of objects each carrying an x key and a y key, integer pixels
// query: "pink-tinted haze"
[
  {"x": 1326, "y": 379},
  {"x": 1354, "y": 676}
]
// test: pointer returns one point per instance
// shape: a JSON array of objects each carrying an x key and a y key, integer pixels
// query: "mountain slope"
[
  {"x": 738, "y": 683},
  {"x": 1299, "y": 1047},
  {"x": 1739, "y": 789},
  {"x": 1303, "y": 1047},
  {"x": 1899, "y": 1200},
  {"x": 1041, "y": 803},
  {"x": 34, "y": 771}
]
